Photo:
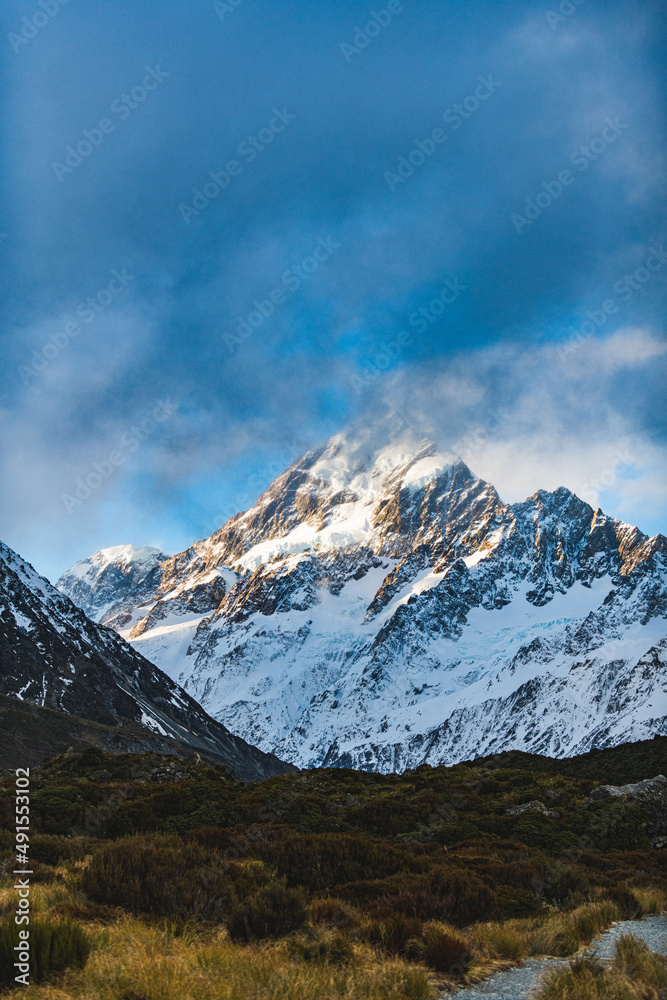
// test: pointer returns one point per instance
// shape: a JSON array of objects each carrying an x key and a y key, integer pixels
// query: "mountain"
[
  {"x": 380, "y": 607},
  {"x": 91, "y": 686},
  {"x": 111, "y": 581}
]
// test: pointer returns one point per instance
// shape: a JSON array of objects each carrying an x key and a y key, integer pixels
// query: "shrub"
[
  {"x": 50, "y": 849},
  {"x": 617, "y": 825},
  {"x": 325, "y": 860},
  {"x": 397, "y": 935},
  {"x": 7, "y": 842},
  {"x": 163, "y": 876},
  {"x": 561, "y": 884},
  {"x": 213, "y": 837},
  {"x": 537, "y": 830},
  {"x": 454, "y": 833},
  {"x": 390, "y": 816},
  {"x": 57, "y": 810},
  {"x": 53, "y": 947},
  {"x": 516, "y": 902},
  {"x": 450, "y": 895},
  {"x": 489, "y": 786},
  {"x": 466, "y": 897},
  {"x": 408, "y": 937},
  {"x": 628, "y": 903},
  {"x": 333, "y": 913},
  {"x": 446, "y": 951},
  {"x": 272, "y": 912},
  {"x": 412, "y": 901}
]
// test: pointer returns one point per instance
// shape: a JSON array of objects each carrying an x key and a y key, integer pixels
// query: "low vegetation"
[
  {"x": 328, "y": 883},
  {"x": 54, "y": 946},
  {"x": 636, "y": 974}
]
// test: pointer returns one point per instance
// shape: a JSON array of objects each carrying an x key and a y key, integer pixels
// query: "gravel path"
[{"x": 518, "y": 984}]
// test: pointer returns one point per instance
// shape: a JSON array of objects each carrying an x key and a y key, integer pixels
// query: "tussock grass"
[
  {"x": 140, "y": 959},
  {"x": 636, "y": 974},
  {"x": 652, "y": 900},
  {"x": 585, "y": 979},
  {"x": 559, "y": 934},
  {"x": 46, "y": 896},
  {"x": 510, "y": 940},
  {"x": 132, "y": 960},
  {"x": 636, "y": 961}
]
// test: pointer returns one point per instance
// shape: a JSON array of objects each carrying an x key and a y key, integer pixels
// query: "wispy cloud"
[
  {"x": 319, "y": 359},
  {"x": 526, "y": 418}
]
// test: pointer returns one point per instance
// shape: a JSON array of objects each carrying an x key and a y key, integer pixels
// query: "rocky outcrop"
[
  {"x": 534, "y": 806},
  {"x": 651, "y": 794}
]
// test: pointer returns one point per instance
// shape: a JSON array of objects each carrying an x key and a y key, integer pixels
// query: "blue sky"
[{"x": 260, "y": 221}]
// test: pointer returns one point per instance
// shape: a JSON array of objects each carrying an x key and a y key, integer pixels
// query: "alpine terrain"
[
  {"x": 380, "y": 607},
  {"x": 64, "y": 679}
]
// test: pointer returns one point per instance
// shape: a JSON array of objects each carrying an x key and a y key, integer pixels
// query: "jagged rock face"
[
  {"x": 111, "y": 581},
  {"x": 383, "y": 608},
  {"x": 53, "y": 656}
]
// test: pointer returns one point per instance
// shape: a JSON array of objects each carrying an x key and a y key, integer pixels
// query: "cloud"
[
  {"x": 313, "y": 365},
  {"x": 530, "y": 417}
]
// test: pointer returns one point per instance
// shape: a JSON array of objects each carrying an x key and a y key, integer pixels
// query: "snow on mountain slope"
[
  {"x": 53, "y": 656},
  {"x": 113, "y": 580},
  {"x": 379, "y": 606}
]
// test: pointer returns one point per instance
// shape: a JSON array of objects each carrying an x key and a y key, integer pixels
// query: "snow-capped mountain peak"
[
  {"x": 379, "y": 606},
  {"x": 113, "y": 579}
]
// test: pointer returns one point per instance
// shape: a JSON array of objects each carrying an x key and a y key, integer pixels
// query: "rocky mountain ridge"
[
  {"x": 54, "y": 657},
  {"x": 379, "y": 606}
]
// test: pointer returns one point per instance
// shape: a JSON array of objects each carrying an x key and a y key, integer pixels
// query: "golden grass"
[
  {"x": 636, "y": 974},
  {"x": 133, "y": 960},
  {"x": 636, "y": 961},
  {"x": 560, "y": 934},
  {"x": 652, "y": 900},
  {"x": 141, "y": 960}
]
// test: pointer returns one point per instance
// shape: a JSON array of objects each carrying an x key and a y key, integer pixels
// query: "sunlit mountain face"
[{"x": 379, "y": 606}]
